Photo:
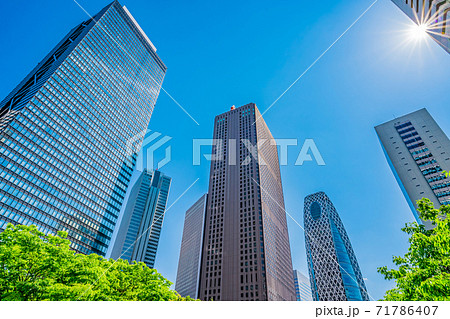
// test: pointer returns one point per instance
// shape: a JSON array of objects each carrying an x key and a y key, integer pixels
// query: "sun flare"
[{"x": 419, "y": 32}]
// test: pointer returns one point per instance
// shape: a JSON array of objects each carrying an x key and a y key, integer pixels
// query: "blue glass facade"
[
  {"x": 333, "y": 269},
  {"x": 64, "y": 159},
  {"x": 136, "y": 236},
  {"x": 349, "y": 279}
]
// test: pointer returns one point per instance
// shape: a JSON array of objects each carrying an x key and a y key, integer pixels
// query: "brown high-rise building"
[{"x": 246, "y": 253}]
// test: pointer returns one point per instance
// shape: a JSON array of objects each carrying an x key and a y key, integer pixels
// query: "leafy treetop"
[
  {"x": 424, "y": 272},
  {"x": 35, "y": 266}
]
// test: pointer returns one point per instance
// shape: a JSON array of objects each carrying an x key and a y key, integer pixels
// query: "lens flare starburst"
[
  {"x": 419, "y": 32},
  {"x": 434, "y": 21},
  {"x": 430, "y": 21}
]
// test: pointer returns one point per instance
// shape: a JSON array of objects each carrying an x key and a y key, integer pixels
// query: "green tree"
[
  {"x": 35, "y": 266},
  {"x": 424, "y": 272}
]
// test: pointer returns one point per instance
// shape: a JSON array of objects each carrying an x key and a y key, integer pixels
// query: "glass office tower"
[
  {"x": 433, "y": 14},
  {"x": 302, "y": 287},
  {"x": 136, "y": 236},
  {"x": 246, "y": 253},
  {"x": 333, "y": 269},
  {"x": 418, "y": 152},
  {"x": 64, "y": 130},
  {"x": 188, "y": 274}
]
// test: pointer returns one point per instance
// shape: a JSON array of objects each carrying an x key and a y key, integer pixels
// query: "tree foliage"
[
  {"x": 35, "y": 266},
  {"x": 424, "y": 272}
]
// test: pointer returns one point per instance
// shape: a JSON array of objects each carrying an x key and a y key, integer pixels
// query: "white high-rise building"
[{"x": 418, "y": 152}]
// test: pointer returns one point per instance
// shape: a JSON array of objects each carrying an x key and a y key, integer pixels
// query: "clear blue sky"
[{"x": 236, "y": 52}]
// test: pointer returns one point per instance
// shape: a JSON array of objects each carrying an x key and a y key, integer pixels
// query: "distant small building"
[
  {"x": 302, "y": 287},
  {"x": 188, "y": 274}
]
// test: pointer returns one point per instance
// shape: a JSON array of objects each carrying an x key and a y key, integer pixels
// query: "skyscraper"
[
  {"x": 188, "y": 274},
  {"x": 246, "y": 253},
  {"x": 64, "y": 130},
  {"x": 302, "y": 287},
  {"x": 432, "y": 15},
  {"x": 136, "y": 236},
  {"x": 417, "y": 151},
  {"x": 333, "y": 269}
]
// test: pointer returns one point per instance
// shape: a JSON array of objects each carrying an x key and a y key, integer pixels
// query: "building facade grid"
[
  {"x": 246, "y": 252},
  {"x": 302, "y": 287},
  {"x": 63, "y": 155},
  {"x": 333, "y": 269},
  {"x": 188, "y": 274},
  {"x": 417, "y": 151},
  {"x": 137, "y": 233}
]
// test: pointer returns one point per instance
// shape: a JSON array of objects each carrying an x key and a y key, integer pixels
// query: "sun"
[{"x": 419, "y": 31}]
